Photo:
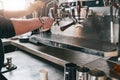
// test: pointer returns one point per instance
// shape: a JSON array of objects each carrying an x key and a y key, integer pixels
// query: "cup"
[
  {"x": 70, "y": 70},
  {"x": 97, "y": 75},
  {"x": 43, "y": 74},
  {"x": 83, "y": 73}
]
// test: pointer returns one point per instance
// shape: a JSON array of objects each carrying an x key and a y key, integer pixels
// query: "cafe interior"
[{"x": 82, "y": 44}]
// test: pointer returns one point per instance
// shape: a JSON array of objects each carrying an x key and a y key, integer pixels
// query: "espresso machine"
[
  {"x": 88, "y": 20},
  {"x": 95, "y": 20}
]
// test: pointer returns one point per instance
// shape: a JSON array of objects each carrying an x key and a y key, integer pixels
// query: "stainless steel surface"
[
  {"x": 96, "y": 75},
  {"x": 55, "y": 55},
  {"x": 96, "y": 78},
  {"x": 83, "y": 73},
  {"x": 102, "y": 64},
  {"x": 29, "y": 67},
  {"x": 94, "y": 27},
  {"x": 88, "y": 44},
  {"x": 70, "y": 70},
  {"x": 62, "y": 56}
]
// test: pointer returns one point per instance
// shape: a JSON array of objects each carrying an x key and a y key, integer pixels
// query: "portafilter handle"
[{"x": 67, "y": 26}]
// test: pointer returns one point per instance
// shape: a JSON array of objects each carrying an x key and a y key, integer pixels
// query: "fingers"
[{"x": 47, "y": 23}]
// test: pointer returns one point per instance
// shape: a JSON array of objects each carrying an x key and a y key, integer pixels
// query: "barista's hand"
[
  {"x": 34, "y": 6},
  {"x": 47, "y": 23}
]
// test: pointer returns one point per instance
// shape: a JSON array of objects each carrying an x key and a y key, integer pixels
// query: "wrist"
[{"x": 41, "y": 21}]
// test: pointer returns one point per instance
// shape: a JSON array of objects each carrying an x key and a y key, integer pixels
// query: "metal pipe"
[
  {"x": 119, "y": 32},
  {"x": 111, "y": 22}
]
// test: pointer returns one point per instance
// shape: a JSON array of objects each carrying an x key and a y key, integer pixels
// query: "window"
[{"x": 14, "y": 4}]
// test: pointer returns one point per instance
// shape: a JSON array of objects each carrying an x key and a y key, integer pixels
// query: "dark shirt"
[{"x": 6, "y": 31}]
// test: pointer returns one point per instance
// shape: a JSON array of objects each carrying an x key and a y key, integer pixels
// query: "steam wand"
[
  {"x": 117, "y": 6},
  {"x": 111, "y": 23},
  {"x": 56, "y": 14},
  {"x": 87, "y": 11},
  {"x": 119, "y": 32},
  {"x": 75, "y": 20},
  {"x": 78, "y": 11}
]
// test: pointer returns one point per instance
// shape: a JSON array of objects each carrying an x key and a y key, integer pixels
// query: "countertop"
[{"x": 61, "y": 56}]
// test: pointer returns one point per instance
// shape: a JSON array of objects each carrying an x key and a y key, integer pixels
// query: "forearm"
[{"x": 22, "y": 26}]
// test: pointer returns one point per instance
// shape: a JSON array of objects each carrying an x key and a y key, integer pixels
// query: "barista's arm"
[
  {"x": 12, "y": 27},
  {"x": 26, "y": 25},
  {"x": 23, "y": 25}
]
